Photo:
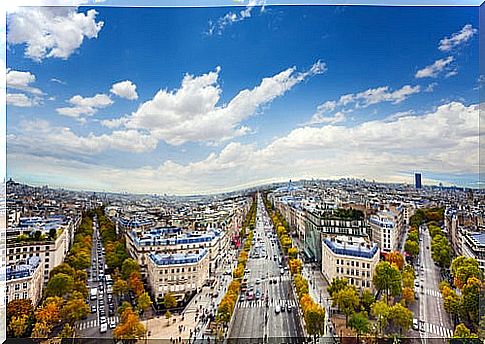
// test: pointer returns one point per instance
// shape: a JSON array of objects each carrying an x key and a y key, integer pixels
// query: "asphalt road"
[
  {"x": 90, "y": 327},
  {"x": 256, "y": 319},
  {"x": 437, "y": 323}
]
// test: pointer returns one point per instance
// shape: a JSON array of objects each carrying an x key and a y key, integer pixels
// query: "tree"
[
  {"x": 17, "y": 325},
  {"x": 59, "y": 285},
  {"x": 120, "y": 287},
  {"x": 401, "y": 317},
  {"x": 347, "y": 300},
  {"x": 41, "y": 330},
  {"x": 295, "y": 266},
  {"x": 367, "y": 299},
  {"x": 412, "y": 248},
  {"x": 67, "y": 331},
  {"x": 130, "y": 328},
  {"x": 461, "y": 331},
  {"x": 463, "y": 268},
  {"x": 381, "y": 311},
  {"x": 169, "y": 300},
  {"x": 360, "y": 323},
  {"x": 388, "y": 279},
  {"x": 168, "y": 315},
  {"x": 50, "y": 312},
  {"x": 74, "y": 310},
  {"x": 408, "y": 295},
  {"x": 413, "y": 235},
  {"x": 129, "y": 267},
  {"x": 336, "y": 285},
  {"x": 396, "y": 258},
  {"x": 144, "y": 301},
  {"x": 315, "y": 320},
  {"x": 441, "y": 251},
  {"x": 19, "y": 308},
  {"x": 52, "y": 233},
  {"x": 123, "y": 307},
  {"x": 62, "y": 268},
  {"x": 470, "y": 299},
  {"x": 293, "y": 252},
  {"x": 408, "y": 276},
  {"x": 135, "y": 284}
]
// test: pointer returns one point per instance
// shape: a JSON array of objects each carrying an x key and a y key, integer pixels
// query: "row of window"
[
  {"x": 17, "y": 296},
  {"x": 18, "y": 285},
  {"x": 27, "y": 249},
  {"x": 353, "y": 272},
  {"x": 177, "y": 278},
  {"x": 358, "y": 283},
  {"x": 351, "y": 263},
  {"x": 178, "y": 270}
]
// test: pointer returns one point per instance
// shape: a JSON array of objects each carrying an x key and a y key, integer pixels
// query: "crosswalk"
[
  {"x": 94, "y": 322},
  {"x": 261, "y": 303},
  {"x": 433, "y": 292},
  {"x": 438, "y": 330}
]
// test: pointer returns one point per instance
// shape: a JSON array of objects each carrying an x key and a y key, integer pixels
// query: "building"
[
  {"x": 181, "y": 274},
  {"x": 385, "y": 230},
  {"x": 25, "y": 280},
  {"x": 474, "y": 247},
  {"x": 175, "y": 240},
  {"x": 328, "y": 223},
  {"x": 352, "y": 258},
  {"x": 417, "y": 180}
]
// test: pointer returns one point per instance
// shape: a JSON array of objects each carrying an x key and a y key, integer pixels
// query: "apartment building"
[
  {"x": 176, "y": 240},
  {"x": 385, "y": 230},
  {"x": 353, "y": 258},
  {"x": 25, "y": 280},
  {"x": 474, "y": 247},
  {"x": 181, "y": 274}
]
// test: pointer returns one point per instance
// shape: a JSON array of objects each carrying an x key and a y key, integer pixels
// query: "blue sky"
[{"x": 189, "y": 100}]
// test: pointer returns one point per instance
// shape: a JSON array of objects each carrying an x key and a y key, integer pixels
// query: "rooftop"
[
  {"x": 22, "y": 270},
  {"x": 177, "y": 258},
  {"x": 173, "y": 236},
  {"x": 344, "y": 246}
]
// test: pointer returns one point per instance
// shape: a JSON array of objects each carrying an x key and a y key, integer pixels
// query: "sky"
[{"x": 203, "y": 100}]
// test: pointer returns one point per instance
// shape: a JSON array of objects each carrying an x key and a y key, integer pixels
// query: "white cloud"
[
  {"x": 430, "y": 87},
  {"x": 51, "y": 31},
  {"x": 20, "y": 80},
  {"x": 234, "y": 17},
  {"x": 58, "y": 81},
  {"x": 125, "y": 89},
  {"x": 443, "y": 140},
  {"x": 363, "y": 99},
  {"x": 85, "y": 106},
  {"x": 458, "y": 38},
  {"x": 19, "y": 99},
  {"x": 191, "y": 113},
  {"x": 433, "y": 70}
]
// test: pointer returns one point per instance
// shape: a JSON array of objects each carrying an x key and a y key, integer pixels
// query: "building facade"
[{"x": 25, "y": 280}]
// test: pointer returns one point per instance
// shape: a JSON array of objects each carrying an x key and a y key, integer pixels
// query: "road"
[
  {"x": 90, "y": 327},
  {"x": 437, "y": 323},
  {"x": 257, "y": 319}
]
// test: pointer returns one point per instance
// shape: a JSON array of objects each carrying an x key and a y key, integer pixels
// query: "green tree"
[
  {"x": 367, "y": 299},
  {"x": 347, "y": 300},
  {"x": 74, "y": 310},
  {"x": 120, "y": 287},
  {"x": 169, "y": 300},
  {"x": 144, "y": 301},
  {"x": 381, "y": 311},
  {"x": 461, "y": 331},
  {"x": 315, "y": 320},
  {"x": 360, "y": 323},
  {"x": 463, "y": 268},
  {"x": 470, "y": 299},
  {"x": 128, "y": 267},
  {"x": 336, "y": 285},
  {"x": 387, "y": 278},
  {"x": 67, "y": 331},
  {"x": 412, "y": 248},
  {"x": 441, "y": 251},
  {"x": 401, "y": 317},
  {"x": 59, "y": 285}
]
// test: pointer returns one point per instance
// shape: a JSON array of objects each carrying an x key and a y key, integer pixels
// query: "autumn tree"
[
  {"x": 129, "y": 329},
  {"x": 315, "y": 320},
  {"x": 129, "y": 267},
  {"x": 17, "y": 326},
  {"x": 296, "y": 266},
  {"x": 381, "y": 311},
  {"x": 169, "y": 300},
  {"x": 461, "y": 331},
  {"x": 120, "y": 287},
  {"x": 408, "y": 295},
  {"x": 462, "y": 268},
  {"x": 347, "y": 300},
  {"x": 135, "y": 284},
  {"x": 396, "y": 258},
  {"x": 401, "y": 317},
  {"x": 293, "y": 252},
  {"x": 74, "y": 310},
  {"x": 336, "y": 285}
]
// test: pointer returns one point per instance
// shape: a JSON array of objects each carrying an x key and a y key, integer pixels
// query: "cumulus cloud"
[
  {"x": 433, "y": 70},
  {"x": 20, "y": 100},
  {"x": 457, "y": 38},
  {"x": 443, "y": 140},
  {"x": 20, "y": 80},
  {"x": 85, "y": 106},
  {"x": 51, "y": 31},
  {"x": 351, "y": 101},
  {"x": 234, "y": 17},
  {"x": 125, "y": 89},
  {"x": 192, "y": 113}
]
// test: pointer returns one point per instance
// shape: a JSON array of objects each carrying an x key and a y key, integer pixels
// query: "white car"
[
  {"x": 415, "y": 324},
  {"x": 277, "y": 309},
  {"x": 103, "y": 328},
  {"x": 112, "y": 324}
]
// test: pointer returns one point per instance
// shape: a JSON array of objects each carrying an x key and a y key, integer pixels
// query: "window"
[
  {"x": 17, "y": 286},
  {"x": 25, "y": 285},
  {"x": 24, "y": 295}
]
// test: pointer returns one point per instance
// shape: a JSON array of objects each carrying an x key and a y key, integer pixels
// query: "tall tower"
[{"x": 417, "y": 180}]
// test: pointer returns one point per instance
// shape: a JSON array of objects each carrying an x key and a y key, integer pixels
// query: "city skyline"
[{"x": 241, "y": 97}]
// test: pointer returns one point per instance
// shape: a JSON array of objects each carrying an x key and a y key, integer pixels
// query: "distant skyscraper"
[{"x": 417, "y": 179}]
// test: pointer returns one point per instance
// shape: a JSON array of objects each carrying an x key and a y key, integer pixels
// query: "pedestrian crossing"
[
  {"x": 433, "y": 292},
  {"x": 438, "y": 330},
  {"x": 261, "y": 303},
  {"x": 94, "y": 323}
]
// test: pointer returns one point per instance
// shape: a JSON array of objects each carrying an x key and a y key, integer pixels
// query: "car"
[
  {"x": 102, "y": 319},
  {"x": 258, "y": 294},
  {"x": 93, "y": 309},
  {"x": 275, "y": 280},
  {"x": 416, "y": 283},
  {"x": 250, "y": 295},
  {"x": 103, "y": 328},
  {"x": 427, "y": 247},
  {"x": 247, "y": 271},
  {"x": 277, "y": 309},
  {"x": 421, "y": 326},
  {"x": 242, "y": 298},
  {"x": 415, "y": 324},
  {"x": 282, "y": 271},
  {"x": 258, "y": 281},
  {"x": 251, "y": 287},
  {"x": 289, "y": 308},
  {"x": 282, "y": 307}
]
